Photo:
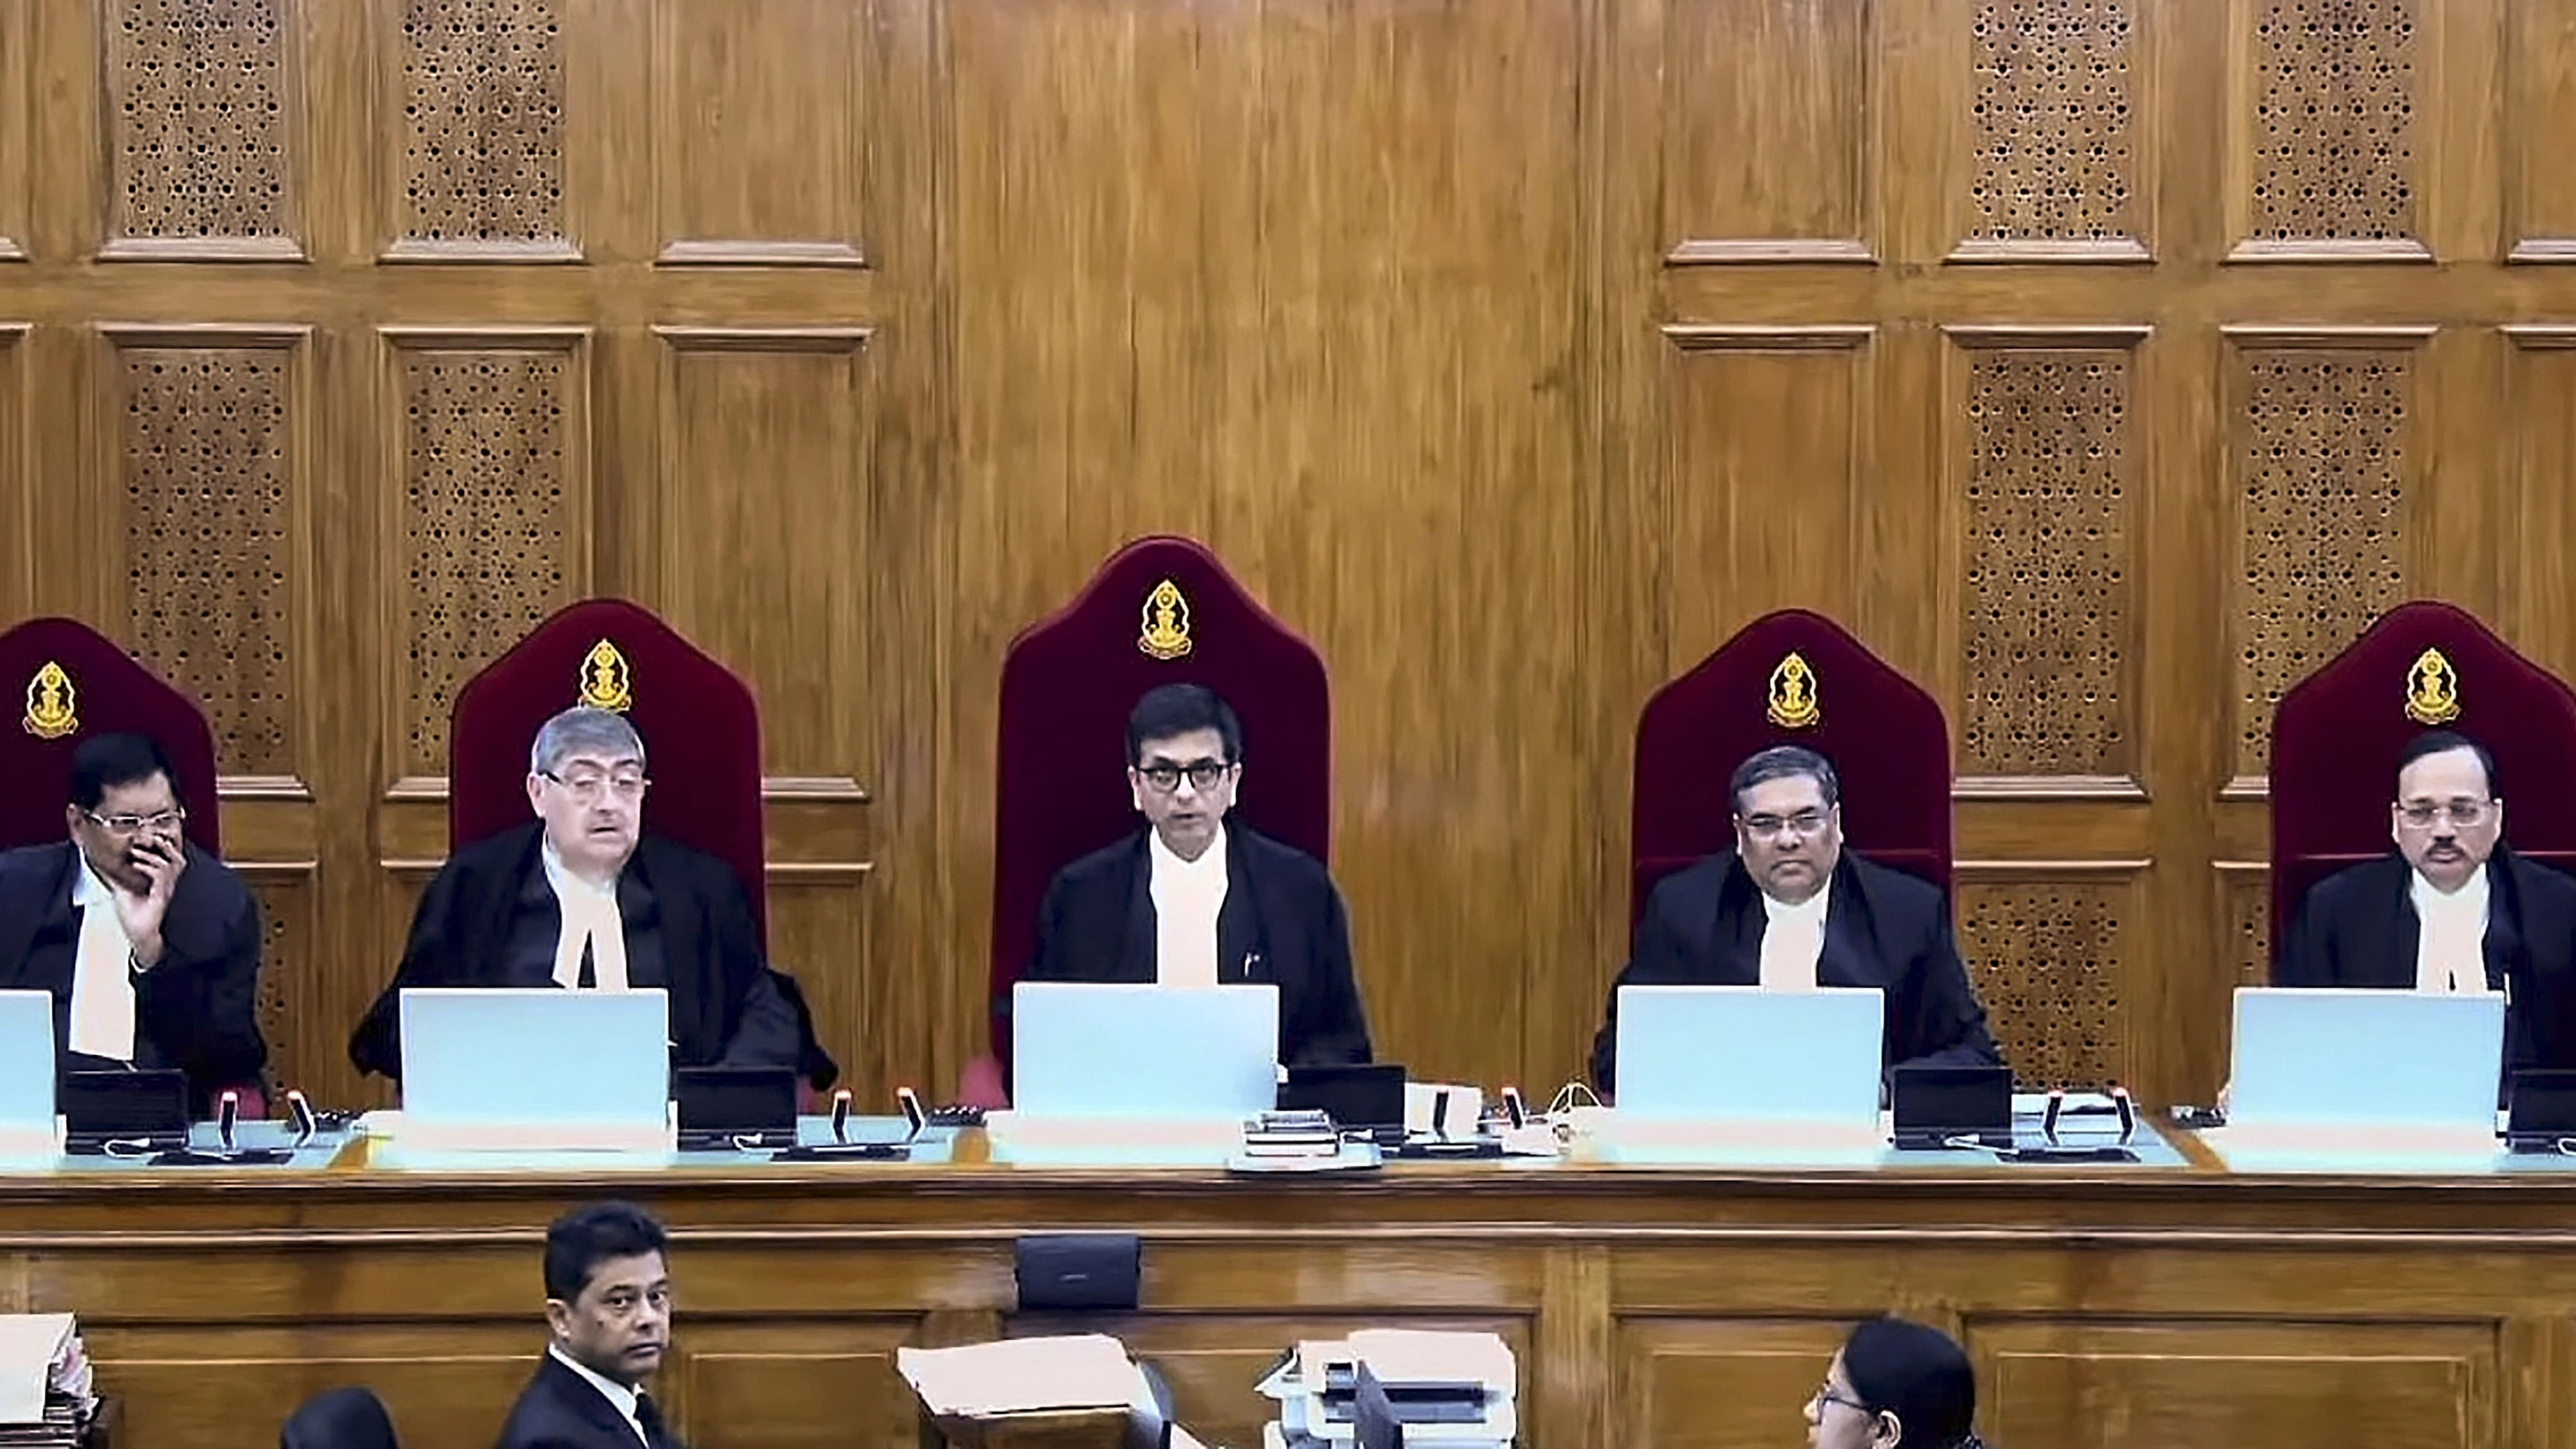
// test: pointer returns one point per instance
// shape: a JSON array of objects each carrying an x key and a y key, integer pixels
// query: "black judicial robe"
[
  {"x": 1282, "y": 923},
  {"x": 197, "y": 1010},
  {"x": 728, "y": 1008},
  {"x": 559, "y": 1409},
  {"x": 1703, "y": 927},
  {"x": 2358, "y": 927}
]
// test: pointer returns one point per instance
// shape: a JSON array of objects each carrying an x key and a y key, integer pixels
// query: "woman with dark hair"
[{"x": 1895, "y": 1385}]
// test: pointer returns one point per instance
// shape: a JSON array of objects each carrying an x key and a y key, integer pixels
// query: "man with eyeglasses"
[
  {"x": 1790, "y": 910},
  {"x": 581, "y": 899},
  {"x": 608, "y": 1321},
  {"x": 149, "y": 945},
  {"x": 1201, "y": 899},
  {"x": 2452, "y": 910}
]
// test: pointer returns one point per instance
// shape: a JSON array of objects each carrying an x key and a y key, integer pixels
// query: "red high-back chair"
[
  {"x": 1067, "y": 686},
  {"x": 700, "y": 723},
  {"x": 2336, "y": 736},
  {"x": 1791, "y": 678},
  {"x": 68, "y": 683}
]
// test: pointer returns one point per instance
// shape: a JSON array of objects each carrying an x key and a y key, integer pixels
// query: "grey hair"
[
  {"x": 1781, "y": 762},
  {"x": 580, "y": 730}
]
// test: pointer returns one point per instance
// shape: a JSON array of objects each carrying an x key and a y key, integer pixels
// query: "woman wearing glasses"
[
  {"x": 1895, "y": 1385},
  {"x": 2451, "y": 910}
]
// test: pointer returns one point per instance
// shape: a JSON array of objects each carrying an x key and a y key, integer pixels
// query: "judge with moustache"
[
  {"x": 1790, "y": 910},
  {"x": 1198, "y": 898},
  {"x": 580, "y": 899},
  {"x": 149, "y": 945},
  {"x": 608, "y": 1316},
  {"x": 2450, "y": 910}
]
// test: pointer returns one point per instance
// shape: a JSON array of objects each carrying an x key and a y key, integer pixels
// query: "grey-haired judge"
[{"x": 580, "y": 899}]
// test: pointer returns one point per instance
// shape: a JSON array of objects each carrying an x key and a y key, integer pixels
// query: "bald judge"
[
  {"x": 580, "y": 899},
  {"x": 2451, "y": 910},
  {"x": 1790, "y": 910}
]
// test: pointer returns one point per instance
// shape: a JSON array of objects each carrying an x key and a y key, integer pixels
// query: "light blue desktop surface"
[
  {"x": 934, "y": 1145},
  {"x": 312, "y": 1157},
  {"x": 2153, "y": 1153}
]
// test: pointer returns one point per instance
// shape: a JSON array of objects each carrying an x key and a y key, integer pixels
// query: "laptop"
[
  {"x": 2366, "y": 1058},
  {"x": 27, "y": 1074},
  {"x": 530, "y": 1069},
  {"x": 1095, "y": 1050},
  {"x": 1739, "y": 1052}
]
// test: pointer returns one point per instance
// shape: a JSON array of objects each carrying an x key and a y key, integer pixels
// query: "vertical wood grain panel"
[
  {"x": 1769, "y": 145},
  {"x": 2540, "y": 402},
  {"x": 1768, "y": 442},
  {"x": 17, "y": 89},
  {"x": 17, "y": 498},
  {"x": 760, "y": 128},
  {"x": 2540, "y": 111}
]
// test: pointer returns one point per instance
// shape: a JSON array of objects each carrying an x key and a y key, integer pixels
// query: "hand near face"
[{"x": 160, "y": 859}]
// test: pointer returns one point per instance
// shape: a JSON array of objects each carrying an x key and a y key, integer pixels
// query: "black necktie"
[
  {"x": 649, "y": 1419},
  {"x": 589, "y": 980}
]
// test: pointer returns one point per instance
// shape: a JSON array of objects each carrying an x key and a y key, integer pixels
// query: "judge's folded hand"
[{"x": 141, "y": 912}]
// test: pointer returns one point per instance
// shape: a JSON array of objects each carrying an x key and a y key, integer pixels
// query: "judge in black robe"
[
  {"x": 1281, "y": 920},
  {"x": 1882, "y": 928},
  {"x": 2360, "y": 928},
  {"x": 196, "y": 1006}
]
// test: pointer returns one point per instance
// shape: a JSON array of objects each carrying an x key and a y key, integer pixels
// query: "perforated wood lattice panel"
[
  {"x": 2321, "y": 459},
  {"x": 484, "y": 520},
  {"x": 205, "y": 457},
  {"x": 2334, "y": 119},
  {"x": 197, "y": 118},
  {"x": 483, "y": 118},
  {"x": 2047, "y": 593},
  {"x": 283, "y": 907},
  {"x": 2045, "y": 957},
  {"x": 2249, "y": 926},
  {"x": 2055, "y": 156}
]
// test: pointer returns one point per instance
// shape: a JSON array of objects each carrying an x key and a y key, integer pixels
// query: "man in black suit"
[
  {"x": 580, "y": 898},
  {"x": 1789, "y": 909},
  {"x": 2451, "y": 910},
  {"x": 149, "y": 945},
  {"x": 1199, "y": 899},
  {"x": 608, "y": 1315}
]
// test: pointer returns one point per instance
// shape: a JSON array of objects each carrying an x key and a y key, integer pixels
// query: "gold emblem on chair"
[
  {"x": 51, "y": 703},
  {"x": 1167, "y": 623},
  {"x": 605, "y": 683},
  {"x": 1793, "y": 694},
  {"x": 2432, "y": 690}
]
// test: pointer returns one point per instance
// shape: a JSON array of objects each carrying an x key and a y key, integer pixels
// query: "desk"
[{"x": 1674, "y": 1308}]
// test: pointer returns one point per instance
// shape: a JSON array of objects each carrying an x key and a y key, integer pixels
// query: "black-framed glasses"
[
  {"x": 1827, "y": 1394},
  {"x": 2464, "y": 814},
  {"x": 587, "y": 785},
  {"x": 1806, "y": 823},
  {"x": 165, "y": 820},
  {"x": 1203, "y": 775}
]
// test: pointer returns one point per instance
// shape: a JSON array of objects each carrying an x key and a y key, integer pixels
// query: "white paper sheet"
[
  {"x": 29, "y": 1344},
  {"x": 1022, "y": 1376}
]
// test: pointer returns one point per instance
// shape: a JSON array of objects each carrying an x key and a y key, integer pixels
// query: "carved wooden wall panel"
[
  {"x": 762, "y": 132},
  {"x": 2540, "y": 204},
  {"x": 2056, "y": 124},
  {"x": 2322, "y": 465},
  {"x": 482, "y": 117},
  {"x": 17, "y": 501},
  {"x": 1691, "y": 1383},
  {"x": 1767, "y": 140},
  {"x": 2247, "y": 897},
  {"x": 2336, "y": 142},
  {"x": 208, "y": 463},
  {"x": 17, "y": 92},
  {"x": 2050, "y": 505},
  {"x": 290, "y": 965},
  {"x": 492, "y": 460},
  {"x": 203, "y": 101},
  {"x": 2540, "y": 403},
  {"x": 2048, "y": 957}
]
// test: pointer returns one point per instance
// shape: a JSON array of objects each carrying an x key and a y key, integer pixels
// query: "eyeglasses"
[
  {"x": 1826, "y": 1394},
  {"x": 1203, "y": 775},
  {"x": 1772, "y": 827},
  {"x": 165, "y": 820},
  {"x": 2462, "y": 813},
  {"x": 586, "y": 786}
]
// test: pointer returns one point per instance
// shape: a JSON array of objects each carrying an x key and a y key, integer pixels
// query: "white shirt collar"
[
  {"x": 2469, "y": 900},
  {"x": 620, "y": 1397},
  {"x": 87, "y": 889},
  {"x": 560, "y": 876},
  {"x": 1169, "y": 865},
  {"x": 1809, "y": 910}
]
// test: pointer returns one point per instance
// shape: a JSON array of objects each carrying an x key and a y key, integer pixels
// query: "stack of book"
[
  {"x": 1440, "y": 1391},
  {"x": 47, "y": 1398}
]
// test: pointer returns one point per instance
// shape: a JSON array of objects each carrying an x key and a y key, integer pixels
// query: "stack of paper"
[
  {"x": 1450, "y": 1390},
  {"x": 46, "y": 1397},
  {"x": 1023, "y": 1376}
]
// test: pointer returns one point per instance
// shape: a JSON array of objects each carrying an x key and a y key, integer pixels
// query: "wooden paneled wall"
[{"x": 2105, "y": 363}]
